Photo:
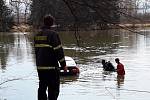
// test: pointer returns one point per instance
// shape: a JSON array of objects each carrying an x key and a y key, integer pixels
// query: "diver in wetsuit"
[{"x": 107, "y": 66}]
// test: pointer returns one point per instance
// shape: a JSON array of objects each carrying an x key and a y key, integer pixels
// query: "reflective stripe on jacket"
[{"x": 45, "y": 67}]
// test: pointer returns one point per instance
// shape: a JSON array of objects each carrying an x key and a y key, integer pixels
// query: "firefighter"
[{"x": 48, "y": 52}]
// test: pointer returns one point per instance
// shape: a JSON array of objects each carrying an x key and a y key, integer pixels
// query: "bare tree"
[
  {"x": 27, "y": 4},
  {"x": 16, "y": 6},
  {"x": 6, "y": 17}
]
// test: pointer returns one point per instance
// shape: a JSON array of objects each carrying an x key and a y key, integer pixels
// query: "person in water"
[
  {"x": 107, "y": 66},
  {"x": 120, "y": 67}
]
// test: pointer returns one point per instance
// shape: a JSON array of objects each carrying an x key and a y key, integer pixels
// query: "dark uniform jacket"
[
  {"x": 108, "y": 66},
  {"x": 48, "y": 49}
]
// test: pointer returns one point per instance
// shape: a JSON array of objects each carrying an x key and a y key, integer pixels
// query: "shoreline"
[{"x": 29, "y": 28}]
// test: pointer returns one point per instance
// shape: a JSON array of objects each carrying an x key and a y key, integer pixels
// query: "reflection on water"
[
  {"x": 19, "y": 77},
  {"x": 17, "y": 67},
  {"x": 68, "y": 79}
]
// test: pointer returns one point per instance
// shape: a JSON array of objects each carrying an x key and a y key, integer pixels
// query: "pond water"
[{"x": 18, "y": 76}]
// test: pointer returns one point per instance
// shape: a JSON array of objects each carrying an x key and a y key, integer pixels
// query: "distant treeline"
[
  {"x": 89, "y": 13},
  {"x": 80, "y": 12},
  {"x": 74, "y": 14}
]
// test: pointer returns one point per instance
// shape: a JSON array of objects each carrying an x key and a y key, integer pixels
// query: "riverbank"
[
  {"x": 29, "y": 28},
  {"x": 21, "y": 28}
]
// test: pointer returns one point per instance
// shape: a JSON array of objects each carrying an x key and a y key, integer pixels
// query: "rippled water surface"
[{"x": 18, "y": 76}]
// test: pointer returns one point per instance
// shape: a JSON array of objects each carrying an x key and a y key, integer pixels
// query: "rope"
[
  {"x": 15, "y": 79},
  {"x": 130, "y": 90},
  {"x": 109, "y": 91}
]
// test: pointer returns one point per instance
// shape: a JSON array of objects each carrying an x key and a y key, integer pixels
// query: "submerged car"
[{"x": 71, "y": 66}]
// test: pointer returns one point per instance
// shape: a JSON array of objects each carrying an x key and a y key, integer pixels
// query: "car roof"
[{"x": 69, "y": 61}]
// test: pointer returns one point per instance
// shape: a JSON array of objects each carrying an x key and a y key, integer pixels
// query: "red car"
[{"x": 72, "y": 67}]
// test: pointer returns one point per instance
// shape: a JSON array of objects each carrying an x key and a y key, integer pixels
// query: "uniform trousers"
[{"x": 48, "y": 79}]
